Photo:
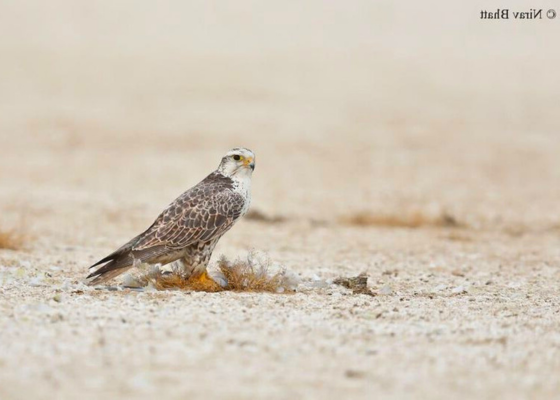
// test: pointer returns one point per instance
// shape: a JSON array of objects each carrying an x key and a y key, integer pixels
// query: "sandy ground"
[{"x": 417, "y": 144}]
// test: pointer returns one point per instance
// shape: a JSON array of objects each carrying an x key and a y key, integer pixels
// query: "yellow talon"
[{"x": 203, "y": 282}]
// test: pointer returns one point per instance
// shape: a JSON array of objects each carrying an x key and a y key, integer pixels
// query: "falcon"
[{"x": 190, "y": 227}]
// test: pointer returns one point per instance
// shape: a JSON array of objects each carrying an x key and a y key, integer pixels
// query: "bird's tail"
[
  {"x": 116, "y": 266},
  {"x": 123, "y": 259}
]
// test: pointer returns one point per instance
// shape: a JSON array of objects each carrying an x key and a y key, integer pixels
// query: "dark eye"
[{"x": 237, "y": 157}]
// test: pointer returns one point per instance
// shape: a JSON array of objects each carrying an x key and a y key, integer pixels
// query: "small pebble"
[
  {"x": 440, "y": 288},
  {"x": 386, "y": 290},
  {"x": 459, "y": 290},
  {"x": 36, "y": 281}
]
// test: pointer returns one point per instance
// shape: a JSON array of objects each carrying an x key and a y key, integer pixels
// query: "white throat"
[
  {"x": 242, "y": 185},
  {"x": 242, "y": 182}
]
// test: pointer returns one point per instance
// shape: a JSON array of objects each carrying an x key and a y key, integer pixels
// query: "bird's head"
[{"x": 238, "y": 162}]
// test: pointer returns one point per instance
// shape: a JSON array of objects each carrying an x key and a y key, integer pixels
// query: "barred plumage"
[{"x": 190, "y": 227}]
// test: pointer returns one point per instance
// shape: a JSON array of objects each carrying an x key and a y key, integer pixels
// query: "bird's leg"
[
  {"x": 202, "y": 277},
  {"x": 182, "y": 267},
  {"x": 203, "y": 282}
]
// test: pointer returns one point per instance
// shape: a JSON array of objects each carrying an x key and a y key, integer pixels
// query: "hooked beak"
[{"x": 249, "y": 162}]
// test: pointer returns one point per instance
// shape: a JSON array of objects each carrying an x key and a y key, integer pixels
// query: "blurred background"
[
  {"x": 382, "y": 107},
  {"x": 409, "y": 140}
]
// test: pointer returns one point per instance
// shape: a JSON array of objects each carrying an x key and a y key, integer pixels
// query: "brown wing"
[
  {"x": 202, "y": 221},
  {"x": 202, "y": 213},
  {"x": 206, "y": 211}
]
